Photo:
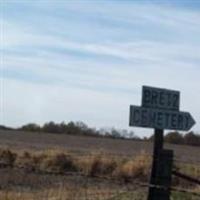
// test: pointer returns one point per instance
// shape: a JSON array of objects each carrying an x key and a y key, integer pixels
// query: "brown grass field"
[{"x": 64, "y": 167}]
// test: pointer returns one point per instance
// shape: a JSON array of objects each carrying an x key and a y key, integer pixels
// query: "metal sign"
[
  {"x": 160, "y": 119},
  {"x": 160, "y": 110},
  {"x": 160, "y": 98}
]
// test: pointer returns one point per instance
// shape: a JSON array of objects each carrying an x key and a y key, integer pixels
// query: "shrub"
[
  {"x": 137, "y": 168},
  {"x": 7, "y": 157},
  {"x": 59, "y": 163},
  {"x": 27, "y": 162},
  {"x": 97, "y": 165}
]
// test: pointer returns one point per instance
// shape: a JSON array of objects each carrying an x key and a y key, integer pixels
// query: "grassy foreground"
[
  {"x": 55, "y": 161},
  {"x": 60, "y": 175}
]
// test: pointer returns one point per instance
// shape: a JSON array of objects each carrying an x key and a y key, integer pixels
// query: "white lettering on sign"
[
  {"x": 160, "y": 98},
  {"x": 160, "y": 119}
]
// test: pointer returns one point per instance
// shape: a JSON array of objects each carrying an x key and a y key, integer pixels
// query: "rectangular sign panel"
[
  {"x": 160, "y": 119},
  {"x": 160, "y": 98}
]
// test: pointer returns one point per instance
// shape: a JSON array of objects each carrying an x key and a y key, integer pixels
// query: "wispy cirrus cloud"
[{"x": 105, "y": 49}]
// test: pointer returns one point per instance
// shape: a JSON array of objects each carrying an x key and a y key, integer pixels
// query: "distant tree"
[
  {"x": 103, "y": 131},
  {"x": 31, "y": 127},
  {"x": 124, "y": 133},
  {"x": 145, "y": 138},
  {"x": 81, "y": 125},
  {"x": 78, "y": 128},
  {"x": 51, "y": 127},
  {"x": 107, "y": 134},
  {"x": 2, "y": 127},
  {"x": 174, "y": 138},
  {"x": 73, "y": 128},
  {"x": 63, "y": 127},
  {"x": 192, "y": 139},
  {"x": 151, "y": 138},
  {"x": 131, "y": 134},
  {"x": 115, "y": 133}
]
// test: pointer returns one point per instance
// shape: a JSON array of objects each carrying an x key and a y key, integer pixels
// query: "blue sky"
[{"x": 87, "y": 60}]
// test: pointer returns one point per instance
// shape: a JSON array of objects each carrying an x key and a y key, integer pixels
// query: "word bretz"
[{"x": 160, "y": 98}]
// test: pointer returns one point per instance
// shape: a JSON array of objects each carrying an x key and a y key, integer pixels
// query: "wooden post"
[
  {"x": 161, "y": 170},
  {"x": 158, "y": 146},
  {"x": 164, "y": 175}
]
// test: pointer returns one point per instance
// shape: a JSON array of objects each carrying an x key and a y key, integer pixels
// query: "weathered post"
[
  {"x": 158, "y": 146},
  {"x": 160, "y": 110},
  {"x": 161, "y": 177},
  {"x": 164, "y": 175}
]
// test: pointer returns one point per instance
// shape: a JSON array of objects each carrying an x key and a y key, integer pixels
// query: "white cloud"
[{"x": 96, "y": 80}]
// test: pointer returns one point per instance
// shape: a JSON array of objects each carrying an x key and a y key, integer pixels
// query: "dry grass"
[
  {"x": 60, "y": 193},
  {"x": 96, "y": 165},
  {"x": 32, "y": 167},
  {"x": 93, "y": 165},
  {"x": 190, "y": 169},
  {"x": 24, "y": 186},
  {"x": 138, "y": 167}
]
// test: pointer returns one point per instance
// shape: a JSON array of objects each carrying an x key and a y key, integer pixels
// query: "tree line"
[
  {"x": 80, "y": 128},
  {"x": 77, "y": 128},
  {"x": 189, "y": 138}
]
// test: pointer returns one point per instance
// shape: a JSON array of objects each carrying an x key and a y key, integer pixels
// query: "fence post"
[
  {"x": 164, "y": 175},
  {"x": 161, "y": 169}
]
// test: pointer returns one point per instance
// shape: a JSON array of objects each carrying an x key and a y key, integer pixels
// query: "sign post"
[
  {"x": 158, "y": 146},
  {"x": 161, "y": 176},
  {"x": 160, "y": 110}
]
